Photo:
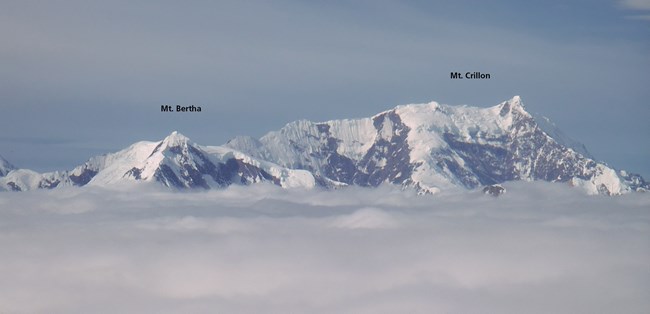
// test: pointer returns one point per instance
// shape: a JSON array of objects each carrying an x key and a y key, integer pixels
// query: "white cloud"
[
  {"x": 541, "y": 248},
  {"x": 366, "y": 218},
  {"x": 636, "y": 4},
  {"x": 639, "y": 5},
  {"x": 639, "y": 17}
]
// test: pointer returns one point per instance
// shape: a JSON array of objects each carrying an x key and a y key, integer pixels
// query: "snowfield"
[{"x": 540, "y": 248}]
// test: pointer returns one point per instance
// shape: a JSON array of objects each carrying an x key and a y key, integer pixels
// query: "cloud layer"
[{"x": 541, "y": 248}]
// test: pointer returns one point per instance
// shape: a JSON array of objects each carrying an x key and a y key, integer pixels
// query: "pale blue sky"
[{"x": 80, "y": 78}]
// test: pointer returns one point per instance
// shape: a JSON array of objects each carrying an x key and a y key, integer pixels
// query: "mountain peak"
[
  {"x": 514, "y": 104},
  {"x": 516, "y": 100},
  {"x": 429, "y": 147},
  {"x": 176, "y": 139},
  {"x": 5, "y": 166}
]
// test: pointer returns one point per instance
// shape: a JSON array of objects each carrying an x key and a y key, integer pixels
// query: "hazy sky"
[{"x": 80, "y": 78}]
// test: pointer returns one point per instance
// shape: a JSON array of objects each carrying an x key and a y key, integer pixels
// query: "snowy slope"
[
  {"x": 429, "y": 147},
  {"x": 553, "y": 131},
  {"x": 173, "y": 162},
  {"x": 433, "y": 147}
]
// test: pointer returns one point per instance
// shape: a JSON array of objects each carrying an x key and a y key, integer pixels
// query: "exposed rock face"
[
  {"x": 432, "y": 147},
  {"x": 428, "y": 147},
  {"x": 494, "y": 190},
  {"x": 635, "y": 181},
  {"x": 174, "y": 162}
]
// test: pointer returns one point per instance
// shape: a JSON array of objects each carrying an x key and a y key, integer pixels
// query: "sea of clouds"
[{"x": 540, "y": 248}]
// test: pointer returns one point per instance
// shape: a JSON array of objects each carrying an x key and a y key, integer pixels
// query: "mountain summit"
[
  {"x": 429, "y": 147},
  {"x": 433, "y": 147}
]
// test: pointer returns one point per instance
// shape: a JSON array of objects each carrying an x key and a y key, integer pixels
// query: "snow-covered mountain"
[
  {"x": 433, "y": 147},
  {"x": 429, "y": 147},
  {"x": 173, "y": 162}
]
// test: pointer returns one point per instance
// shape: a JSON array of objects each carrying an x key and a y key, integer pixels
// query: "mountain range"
[{"x": 428, "y": 147}]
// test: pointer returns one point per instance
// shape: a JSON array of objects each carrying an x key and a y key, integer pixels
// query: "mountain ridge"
[
  {"x": 5, "y": 167},
  {"x": 429, "y": 147}
]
